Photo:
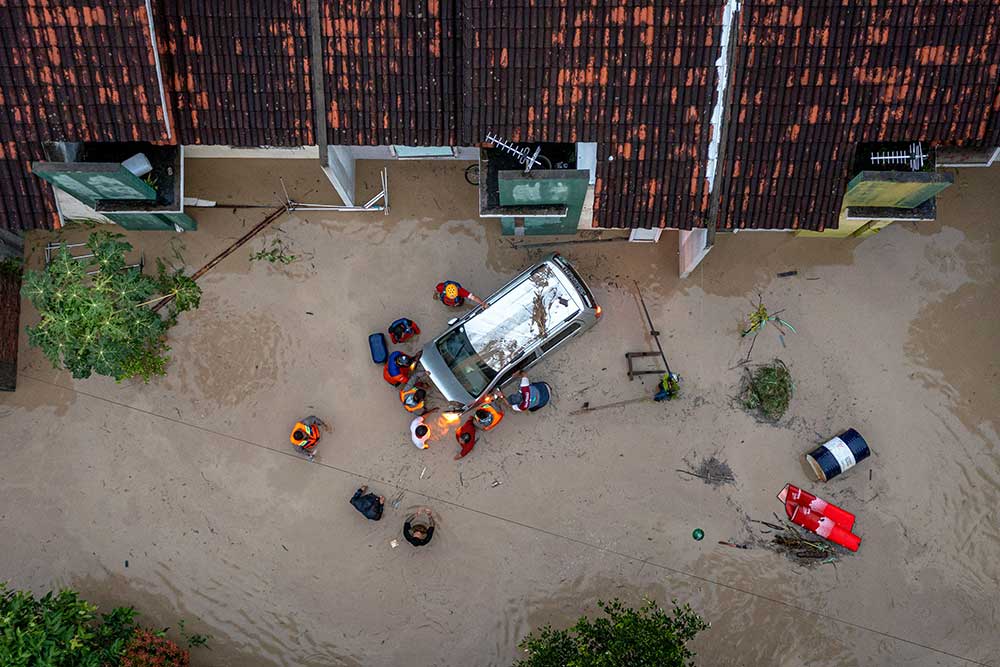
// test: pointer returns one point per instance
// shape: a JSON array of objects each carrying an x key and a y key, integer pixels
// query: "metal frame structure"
[
  {"x": 51, "y": 245},
  {"x": 370, "y": 205},
  {"x": 629, "y": 356}
]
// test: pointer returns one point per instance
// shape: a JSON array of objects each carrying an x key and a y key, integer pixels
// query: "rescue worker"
[
  {"x": 418, "y": 529},
  {"x": 487, "y": 416},
  {"x": 398, "y": 368},
  {"x": 413, "y": 398},
  {"x": 451, "y": 293},
  {"x": 466, "y": 437},
  {"x": 420, "y": 433},
  {"x": 403, "y": 330},
  {"x": 531, "y": 396},
  {"x": 305, "y": 435},
  {"x": 668, "y": 388}
]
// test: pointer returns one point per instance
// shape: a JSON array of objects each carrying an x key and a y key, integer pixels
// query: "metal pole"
[
  {"x": 274, "y": 215},
  {"x": 652, "y": 330}
]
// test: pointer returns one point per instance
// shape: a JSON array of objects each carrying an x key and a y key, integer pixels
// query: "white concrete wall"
[
  {"x": 587, "y": 212},
  {"x": 691, "y": 249},
  {"x": 641, "y": 235},
  {"x": 341, "y": 172},
  {"x": 586, "y": 158},
  {"x": 385, "y": 153}
]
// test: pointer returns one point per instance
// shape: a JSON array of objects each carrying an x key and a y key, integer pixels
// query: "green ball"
[{"x": 698, "y": 534}]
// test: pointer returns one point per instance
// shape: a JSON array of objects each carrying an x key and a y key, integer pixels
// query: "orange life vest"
[
  {"x": 405, "y": 394},
  {"x": 312, "y": 436},
  {"x": 398, "y": 379},
  {"x": 496, "y": 415}
]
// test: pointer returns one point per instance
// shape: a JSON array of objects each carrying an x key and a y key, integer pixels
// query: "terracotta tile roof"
[
  {"x": 638, "y": 79},
  {"x": 813, "y": 80},
  {"x": 240, "y": 71},
  {"x": 71, "y": 71},
  {"x": 393, "y": 71},
  {"x": 810, "y": 81}
]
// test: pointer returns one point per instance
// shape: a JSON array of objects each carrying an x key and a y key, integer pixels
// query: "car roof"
[{"x": 526, "y": 313}]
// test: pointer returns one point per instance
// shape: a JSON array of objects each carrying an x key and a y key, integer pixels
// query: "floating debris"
[{"x": 715, "y": 472}]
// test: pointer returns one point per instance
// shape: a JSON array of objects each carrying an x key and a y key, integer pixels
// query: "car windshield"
[{"x": 472, "y": 372}]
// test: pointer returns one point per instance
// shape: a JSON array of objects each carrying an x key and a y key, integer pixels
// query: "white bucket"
[{"x": 138, "y": 164}]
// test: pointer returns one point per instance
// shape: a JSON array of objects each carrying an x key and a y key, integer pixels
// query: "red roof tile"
[
  {"x": 639, "y": 80},
  {"x": 71, "y": 72},
  {"x": 810, "y": 81},
  {"x": 393, "y": 71},
  {"x": 814, "y": 80},
  {"x": 240, "y": 71}
]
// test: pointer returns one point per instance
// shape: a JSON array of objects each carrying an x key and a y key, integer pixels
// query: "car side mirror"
[{"x": 452, "y": 321}]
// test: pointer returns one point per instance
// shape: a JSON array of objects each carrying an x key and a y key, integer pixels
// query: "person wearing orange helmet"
[
  {"x": 451, "y": 293},
  {"x": 398, "y": 367}
]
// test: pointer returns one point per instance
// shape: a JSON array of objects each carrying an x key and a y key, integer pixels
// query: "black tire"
[{"x": 472, "y": 174}]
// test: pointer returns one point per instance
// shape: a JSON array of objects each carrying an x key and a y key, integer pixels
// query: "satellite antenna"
[
  {"x": 521, "y": 154},
  {"x": 914, "y": 157}
]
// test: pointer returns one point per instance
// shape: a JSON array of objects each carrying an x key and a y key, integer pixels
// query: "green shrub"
[
  {"x": 768, "y": 389},
  {"x": 96, "y": 315},
  {"x": 60, "y": 630},
  {"x": 644, "y": 637}
]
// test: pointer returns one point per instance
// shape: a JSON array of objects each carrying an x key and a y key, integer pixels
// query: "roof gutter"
[
  {"x": 717, "y": 147},
  {"x": 159, "y": 71}
]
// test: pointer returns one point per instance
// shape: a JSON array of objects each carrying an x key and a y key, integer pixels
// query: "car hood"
[{"x": 442, "y": 377}]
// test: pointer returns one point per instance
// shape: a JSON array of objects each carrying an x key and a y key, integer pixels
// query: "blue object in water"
[
  {"x": 838, "y": 455},
  {"x": 379, "y": 350},
  {"x": 538, "y": 396}
]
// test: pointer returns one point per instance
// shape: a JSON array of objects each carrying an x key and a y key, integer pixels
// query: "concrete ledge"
[
  {"x": 926, "y": 211},
  {"x": 967, "y": 157},
  {"x": 297, "y": 152}
]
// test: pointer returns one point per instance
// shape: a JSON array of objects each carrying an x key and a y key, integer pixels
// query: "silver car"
[{"x": 526, "y": 319}]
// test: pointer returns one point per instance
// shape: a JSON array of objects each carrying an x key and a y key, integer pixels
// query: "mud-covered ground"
[{"x": 182, "y": 497}]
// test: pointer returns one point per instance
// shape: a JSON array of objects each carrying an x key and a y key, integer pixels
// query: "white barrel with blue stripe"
[{"x": 838, "y": 455}]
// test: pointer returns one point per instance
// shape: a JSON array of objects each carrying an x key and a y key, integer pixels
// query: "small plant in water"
[
  {"x": 193, "y": 640},
  {"x": 275, "y": 254},
  {"x": 758, "y": 319},
  {"x": 768, "y": 389}
]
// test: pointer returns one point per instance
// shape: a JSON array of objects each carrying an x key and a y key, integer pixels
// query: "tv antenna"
[
  {"x": 914, "y": 157},
  {"x": 522, "y": 154}
]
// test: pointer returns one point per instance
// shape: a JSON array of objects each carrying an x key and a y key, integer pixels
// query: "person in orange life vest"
[
  {"x": 403, "y": 330},
  {"x": 413, "y": 398},
  {"x": 487, "y": 416},
  {"x": 397, "y": 368},
  {"x": 450, "y": 293},
  {"x": 466, "y": 437},
  {"x": 305, "y": 435}
]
